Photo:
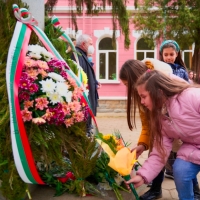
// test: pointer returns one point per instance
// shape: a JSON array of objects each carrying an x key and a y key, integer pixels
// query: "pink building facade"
[{"x": 108, "y": 61}]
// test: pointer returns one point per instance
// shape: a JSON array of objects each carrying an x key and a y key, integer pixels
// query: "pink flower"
[
  {"x": 64, "y": 74},
  {"x": 72, "y": 82},
  {"x": 32, "y": 73},
  {"x": 77, "y": 93},
  {"x": 66, "y": 109},
  {"x": 86, "y": 112},
  {"x": 42, "y": 72},
  {"x": 26, "y": 115},
  {"x": 58, "y": 64},
  {"x": 75, "y": 106},
  {"x": 38, "y": 120},
  {"x": 28, "y": 104},
  {"x": 41, "y": 103},
  {"x": 24, "y": 75},
  {"x": 78, "y": 116},
  {"x": 33, "y": 88},
  {"x": 24, "y": 96},
  {"x": 24, "y": 84},
  {"x": 48, "y": 115},
  {"x": 69, "y": 122},
  {"x": 58, "y": 115},
  {"x": 42, "y": 64},
  {"x": 29, "y": 62}
]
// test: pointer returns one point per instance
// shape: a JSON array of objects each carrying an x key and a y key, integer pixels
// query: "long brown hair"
[
  {"x": 160, "y": 88},
  {"x": 130, "y": 71}
]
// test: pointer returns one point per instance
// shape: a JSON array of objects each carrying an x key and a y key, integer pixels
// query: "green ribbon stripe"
[{"x": 15, "y": 124}]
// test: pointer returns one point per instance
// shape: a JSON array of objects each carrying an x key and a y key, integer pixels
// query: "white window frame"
[
  {"x": 101, "y": 34},
  {"x": 185, "y": 51},
  {"x": 138, "y": 35},
  {"x": 107, "y": 80},
  {"x": 145, "y": 53},
  {"x": 183, "y": 55}
]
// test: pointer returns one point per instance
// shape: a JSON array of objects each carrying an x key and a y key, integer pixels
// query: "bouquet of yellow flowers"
[{"x": 118, "y": 151}]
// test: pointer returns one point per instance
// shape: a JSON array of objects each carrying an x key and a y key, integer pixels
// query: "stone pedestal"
[
  {"x": 112, "y": 106},
  {"x": 36, "y": 7},
  {"x": 47, "y": 193}
]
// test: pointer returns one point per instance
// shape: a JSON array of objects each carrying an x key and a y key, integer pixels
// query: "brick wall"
[{"x": 112, "y": 106}]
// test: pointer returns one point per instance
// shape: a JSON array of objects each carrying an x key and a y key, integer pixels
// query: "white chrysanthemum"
[
  {"x": 56, "y": 77},
  {"x": 55, "y": 98},
  {"x": 37, "y": 56},
  {"x": 35, "y": 48},
  {"x": 68, "y": 96},
  {"x": 38, "y": 50},
  {"x": 47, "y": 56},
  {"x": 48, "y": 85},
  {"x": 61, "y": 88}
]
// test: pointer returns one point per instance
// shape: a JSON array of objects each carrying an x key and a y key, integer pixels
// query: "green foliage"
[
  {"x": 47, "y": 143},
  {"x": 12, "y": 188},
  {"x": 102, "y": 171},
  {"x": 121, "y": 17},
  {"x": 53, "y": 34},
  {"x": 61, "y": 46},
  {"x": 82, "y": 151},
  {"x": 119, "y": 13},
  {"x": 110, "y": 141},
  {"x": 72, "y": 65},
  {"x": 82, "y": 154},
  {"x": 50, "y": 143},
  {"x": 169, "y": 19}
]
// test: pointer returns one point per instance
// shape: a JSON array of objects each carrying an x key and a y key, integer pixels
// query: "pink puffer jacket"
[{"x": 183, "y": 123}]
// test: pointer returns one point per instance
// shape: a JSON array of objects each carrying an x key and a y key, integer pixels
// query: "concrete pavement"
[{"x": 107, "y": 123}]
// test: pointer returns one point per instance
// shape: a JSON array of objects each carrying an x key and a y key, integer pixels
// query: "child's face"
[
  {"x": 169, "y": 55},
  {"x": 191, "y": 75},
  {"x": 145, "y": 97}
]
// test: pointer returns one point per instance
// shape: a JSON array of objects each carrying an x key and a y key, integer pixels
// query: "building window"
[
  {"x": 187, "y": 56},
  {"x": 143, "y": 50},
  {"x": 107, "y": 61}
]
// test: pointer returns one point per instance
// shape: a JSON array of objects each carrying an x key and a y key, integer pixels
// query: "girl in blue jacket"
[{"x": 170, "y": 53}]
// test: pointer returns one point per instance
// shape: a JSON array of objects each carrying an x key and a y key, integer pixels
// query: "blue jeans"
[{"x": 184, "y": 173}]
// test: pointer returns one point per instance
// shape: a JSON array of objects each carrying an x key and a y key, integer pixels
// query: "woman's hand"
[
  {"x": 99, "y": 85},
  {"x": 136, "y": 180},
  {"x": 139, "y": 150}
]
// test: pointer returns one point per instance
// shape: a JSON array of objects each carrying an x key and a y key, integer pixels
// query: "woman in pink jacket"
[{"x": 174, "y": 111}]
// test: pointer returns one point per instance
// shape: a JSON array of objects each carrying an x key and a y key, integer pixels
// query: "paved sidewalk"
[{"x": 107, "y": 123}]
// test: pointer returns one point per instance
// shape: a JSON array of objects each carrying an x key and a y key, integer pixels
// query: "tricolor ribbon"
[
  {"x": 23, "y": 157},
  {"x": 55, "y": 21},
  {"x": 65, "y": 37},
  {"x": 21, "y": 148}
]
